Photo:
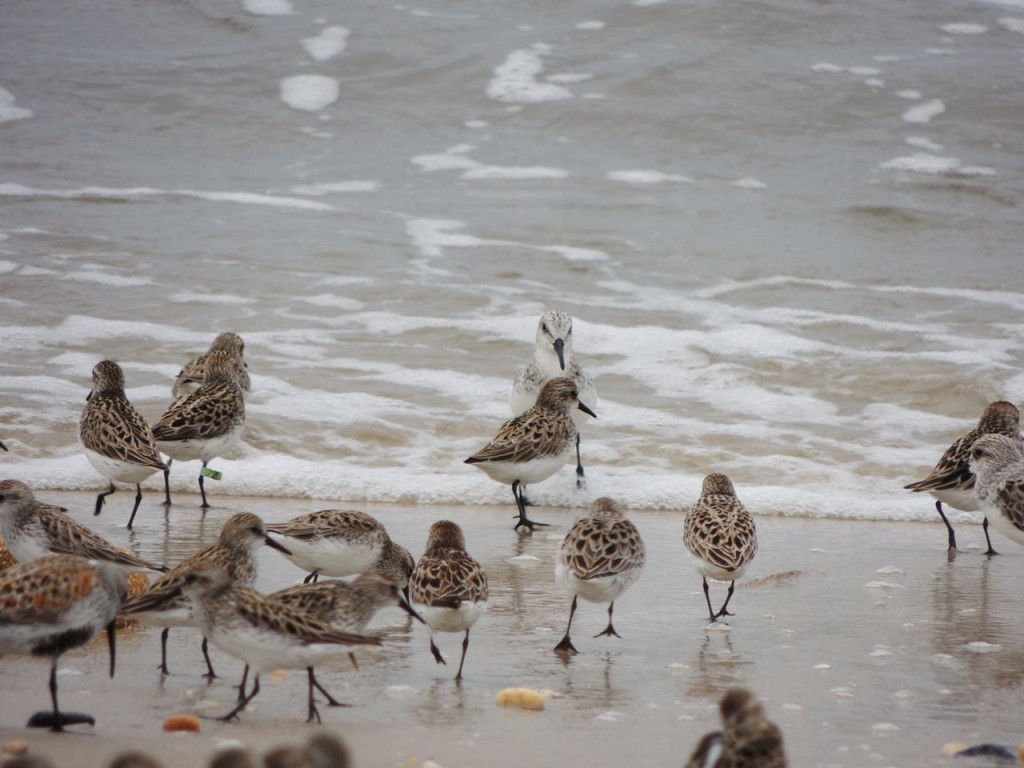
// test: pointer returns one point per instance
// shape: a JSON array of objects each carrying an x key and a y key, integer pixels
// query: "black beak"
[
  {"x": 274, "y": 544},
  {"x": 584, "y": 408},
  {"x": 559, "y": 346},
  {"x": 404, "y": 605},
  {"x": 112, "y": 642},
  {"x": 89, "y": 396}
]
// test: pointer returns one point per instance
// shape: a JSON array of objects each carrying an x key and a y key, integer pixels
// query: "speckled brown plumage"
[{"x": 191, "y": 377}]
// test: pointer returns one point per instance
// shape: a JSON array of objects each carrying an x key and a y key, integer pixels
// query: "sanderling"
[
  {"x": 162, "y": 604},
  {"x": 117, "y": 440},
  {"x": 952, "y": 482},
  {"x": 191, "y": 377},
  {"x": 997, "y": 462},
  {"x": 747, "y": 739},
  {"x": 32, "y": 530},
  {"x": 601, "y": 556},
  {"x": 719, "y": 534},
  {"x": 324, "y": 750},
  {"x": 264, "y": 633},
  {"x": 553, "y": 358},
  {"x": 53, "y": 604},
  {"x": 448, "y": 587},
  {"x": 533, "y": 446},
  {"x": 345, "y": 605},
  {"x": 206, "y": 424},
  {"x": 342, "y": 542}
]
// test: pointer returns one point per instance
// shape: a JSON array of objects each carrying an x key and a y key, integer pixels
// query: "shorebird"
[
  {"x": 162, "y": 605},
  {"x": 448, "y": 587},
  {"x": 997, "y": 462},
  {"x": 343, "y": 542},
  {"x": 720, "y": 536},
  {"x": 206, "y": 424},
  {"x": 553, "y": 358},
  {"x": 32, "y": 530},
  {"x": 264, "y": 633},
  {"x": 191, "y": 376},
  {"x": 116, "y": 439},
  {"x": 951, "y": 482},
  {"x": 53, "y": 604},
  {"x": 533, "y": 446},
  {"x": 601, "y": 556}
]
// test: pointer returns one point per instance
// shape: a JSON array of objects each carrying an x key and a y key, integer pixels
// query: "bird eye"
[
  {"x": 256, "y": 529},
  {"x": 977, "y": 453}
]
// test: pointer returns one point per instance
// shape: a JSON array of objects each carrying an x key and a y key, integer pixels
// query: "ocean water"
[{"x": 789, "y": 234}]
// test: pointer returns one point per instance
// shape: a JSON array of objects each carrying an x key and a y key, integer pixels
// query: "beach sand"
[{"x": 868, "y": 646}]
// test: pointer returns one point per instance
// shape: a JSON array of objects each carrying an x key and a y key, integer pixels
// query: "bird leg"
[
  {"x": 609, "y": 630},
  {"x": 949, "y": 528},
  {"x": 167, "y": 483},
  {"x": 163, "y": 651},
  {"x": 523, "y": 519},
  {"x": 728, "y": 597},
  {"x": 311, "y": 577},
  {"x": 707, "y": 596},
  {"x": 565, "y": 645},
  {"x": 233, "y": 714},
  {"x": 138, "y": 500},
  {"x": 331, "y": 701},
  {"x": 210, "y": 674},
  {"x": 984, "y": 526},
  {"x": 581, "y": 481},
  {"x": 103, "y": 497},
  {"x": 202, "y": 490},
  {"x": 241, "y": 685},
  {"x": 56, "y": 720},
  {"x": 465, "y": 647},
  {"x": 437, "y": 653}
]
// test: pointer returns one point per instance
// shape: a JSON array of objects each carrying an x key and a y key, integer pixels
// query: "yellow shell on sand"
[{"x": 520, "y": 698}]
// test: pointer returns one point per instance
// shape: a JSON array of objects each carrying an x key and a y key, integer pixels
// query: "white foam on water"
[
  {"x": 909, "y": 95},
  {"x": 569, "y": 78},
  {"x": 515, "y": 81},
  {"x": 1012, "y": 24},
  {"x": 456, "y": 159},
  {"x": 329, "y": 43},
  {"x": 824, "y": 66},
  {"x": 964, "y": 28},
  {"x": 922, "y": 142},
  {"x": 132, "y": 193},
  {"x": 921, "y": 162},
  {"x": 268, "y": 7},
  {"x": 749, "y": 183},
  {"x": 330, "y": 188},
  {"x": 924, "y": 113},
  {"x": 8, "y": 111},
  {"x": 192, "y": 297},
  {"x": 864, "y": 71},
  {"x": 649, "y": 177},
  {"x": 591, "y": 25},
  {"x": 309, "y": 93}
]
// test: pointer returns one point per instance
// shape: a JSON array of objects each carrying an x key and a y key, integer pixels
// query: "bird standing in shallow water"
[
  {"x": 209, "y": 422},
  {"x": 448, "y": 587},
  {"x": 116, "y": 439},
  {"x": 601, "y": 556},
  {"x": 553, "y": 358},
  {"x": 533, "y": 446},
  {"x": 720, "y": 536},
  {"x": 951, "y": 481}
]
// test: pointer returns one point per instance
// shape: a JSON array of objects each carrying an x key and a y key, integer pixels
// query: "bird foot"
[
  {"x": 565, "y": 646},
  {"x": 56, "y": 721},
  {"x": 609, "y": 632},
  {"x": 525, "y": 522}
]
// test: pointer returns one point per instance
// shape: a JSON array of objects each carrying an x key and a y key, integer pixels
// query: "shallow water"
[{"x": 869, "y": 649}]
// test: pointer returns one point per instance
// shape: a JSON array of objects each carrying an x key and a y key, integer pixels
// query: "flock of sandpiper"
[{"x": 70, "y": 584}]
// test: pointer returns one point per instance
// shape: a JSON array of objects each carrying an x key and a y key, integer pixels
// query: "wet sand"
[{"x": 868, "y": 646}]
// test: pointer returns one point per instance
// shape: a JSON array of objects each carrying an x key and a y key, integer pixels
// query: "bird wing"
[
  {"x": 262, "y": 613},
  {"x": 42, "y": 592},
  {"x": 449, "y": 577},
  {"x": 113, "y": 428},
  {"x": 199, "y": 414},
  {"x": 61, "y": 527},
  {"x": 1011, "y": 502}
]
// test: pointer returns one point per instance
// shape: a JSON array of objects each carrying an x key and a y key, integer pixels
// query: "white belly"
[
  {"x": 331, "y": 556},
  {"x": 527, "y": 472},
  {"x": 604, "y": 589},
  {"x": 965, "y": 501},
  {"x": 718, "y": 574},
  {"x": 1003, "y": 525},
  {"x": 452, "y": 619},
  {"x": 205, "y": 449},
  {"x": 117, "y": 470}
]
